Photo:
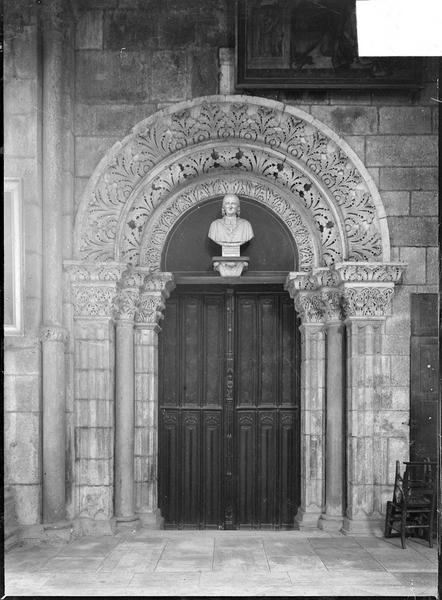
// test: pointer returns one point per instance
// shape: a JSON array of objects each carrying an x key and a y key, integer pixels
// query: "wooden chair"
[{"x": 414, "y": 501}]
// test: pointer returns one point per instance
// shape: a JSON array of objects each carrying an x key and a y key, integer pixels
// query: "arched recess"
[
  {"x": 298, "y": 167},
  {"x": 309, "y": 178}
]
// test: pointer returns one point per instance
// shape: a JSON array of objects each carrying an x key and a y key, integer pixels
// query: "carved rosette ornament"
[{"x": 154, "y": 292}]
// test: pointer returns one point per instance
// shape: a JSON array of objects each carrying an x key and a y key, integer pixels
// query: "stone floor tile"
[
  {"x": 68, "y": 564},
  {"x": 184, "y": 564},
  {"x": 332, "y": 542},
  {"x": 420, "y": 579},
  {"x": 288, "y": 547},
  {"x": 285, "y": 563}
]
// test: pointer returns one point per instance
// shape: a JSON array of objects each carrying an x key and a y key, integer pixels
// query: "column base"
[
  {"x": 95, "y": 527},
  {"x": 368, "y": 526},
  {"x": 307, "y": 520},
  {"x": 330, "y": 523},
  {"x": 60, "y": 531},
  {"x": 128, "y": 523},
  {"x": 151, "y": 519}
]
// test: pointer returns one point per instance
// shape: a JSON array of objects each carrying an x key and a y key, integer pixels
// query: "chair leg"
[
  {"x": 403, "y": 528},
  {"x": 387, "y": 527}
]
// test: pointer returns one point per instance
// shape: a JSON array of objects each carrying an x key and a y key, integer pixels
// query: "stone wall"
[
  {"x": 133, "y": 57},
  {"x": 22, "y": 358}
]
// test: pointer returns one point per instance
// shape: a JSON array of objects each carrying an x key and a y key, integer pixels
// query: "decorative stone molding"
[
  {"x": 332, "y": 304},
  {"x": 309, "y": 306},
  {"x": 93, "y": 287},
  {"x": 128, "y": 291},
  {"x": 145, "y": 242},
  {"x": 153, "y": 295},
  {"x": 367, "y": 302},
  {"x": 243, "y": 134},
  {"x": 375, "y": 271},
  {"x": 51, "y": 333}
]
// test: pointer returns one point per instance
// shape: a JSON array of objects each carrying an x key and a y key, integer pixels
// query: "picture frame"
[{"x": 308, "y": 44}]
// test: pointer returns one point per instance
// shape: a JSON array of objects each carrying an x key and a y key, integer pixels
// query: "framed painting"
[
  {"x": 13, "y": 258},
  {"x": 310, "y": 44}
]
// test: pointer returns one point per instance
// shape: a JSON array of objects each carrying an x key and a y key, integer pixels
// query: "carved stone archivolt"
[
  {"x": 345, "y": 290},
  {"x": 254, "y": 138}
]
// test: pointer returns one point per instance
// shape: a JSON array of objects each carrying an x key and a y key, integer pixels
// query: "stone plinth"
[{"x": 230, "y": 266}]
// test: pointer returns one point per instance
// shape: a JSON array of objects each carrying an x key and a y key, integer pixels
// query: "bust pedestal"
[{"x": 230, "y": 266}]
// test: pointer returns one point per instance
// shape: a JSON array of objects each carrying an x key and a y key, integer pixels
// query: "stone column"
[
  {"x": 367, "y": 290},
  {"x": 127, "y": 298},
  {"x": 327, "y": 281},
  {"x": 93, "y": 292},
  {"x": 308, "y": 304},
  {"x": 53, "y": 336},
  {"x": 154, "y": 292}
]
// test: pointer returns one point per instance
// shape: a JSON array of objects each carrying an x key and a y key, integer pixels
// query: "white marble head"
[{"x": 230, "y": 205}]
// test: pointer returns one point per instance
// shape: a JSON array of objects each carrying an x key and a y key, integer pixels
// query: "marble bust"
[{"x": 230, "y": 229}]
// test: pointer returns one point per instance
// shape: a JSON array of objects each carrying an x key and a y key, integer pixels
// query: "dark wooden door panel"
[{"x": 229, "y": 443}]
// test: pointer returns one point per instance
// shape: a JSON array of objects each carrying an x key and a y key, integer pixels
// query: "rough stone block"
[
  {"x": 404, "y": 119},
  {"x": 401, "y": 150},
  {"x": 413, "y": 231},
  {"x": 432, "y": 265},
  {"x": 204, "y": 71},
  {"x": 93, "y": 442},
  {"x": 177, "y": 29},
  {"x": 396, "y": 344},
  {"x": 22, "y": 393},
  {"x": 396, "y": 203},
  {"x": 424, "y": 203},
  {"x": 415, "y": 259},
  {"x": 294, "y": 98},
  {"x": 350, "y": 120},
  {"x": 349, "y": 97},
  {"x": 80, "y": 184},
  {"x": 95, "y": 472},
  {"x": 23, "y": 52},
  {"x": 400, "y": 370},
  {"x": 28, "y": 503},
  {"x": 23, "y": 361},
  {"x": 92, "y": 384},
  {"x": 169, "y": 81},
  {"x": 89, "y": 32},
  {"x": 20, "y": 96},
  {"x": 132, "y": 29},
  {"x": 21, "y": 136},
  {"x": 89, "y": 151},
  {"x": 397, "y": 450},
  {"x": 32, "y": 310},
  {"x": 411, "y": 178},
  {"x": 400, "y": 398},
  {"x": 32, "y": 220},
  {"x": 22, "y": 447},
  {"x": 375, "y": 173},
  {"x": 391, "y": 97},
  {"x": 109, "y": 120},
  {"x": 112, "y": 76},
  {"x": 94, "y": 413},
  {"x": 357, "y": 143}
]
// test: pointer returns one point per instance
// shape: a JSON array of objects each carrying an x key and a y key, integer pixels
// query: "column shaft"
[
  {"x": 53, "y": 350},
  {"x": 334, "y": 445},
  {"x": 124, "y": 421}
]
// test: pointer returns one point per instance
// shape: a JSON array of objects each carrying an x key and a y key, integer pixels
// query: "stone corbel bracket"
[{"x": 155, "y": 290}]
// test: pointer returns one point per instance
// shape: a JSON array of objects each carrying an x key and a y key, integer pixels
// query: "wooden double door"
[{"x": 229, "y": 408}]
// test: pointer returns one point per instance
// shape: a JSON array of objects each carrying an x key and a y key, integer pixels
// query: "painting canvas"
[{"x": 310, "y": 44}]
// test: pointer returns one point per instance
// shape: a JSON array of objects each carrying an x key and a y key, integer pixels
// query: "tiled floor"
[{"x": 222, "y": 563}]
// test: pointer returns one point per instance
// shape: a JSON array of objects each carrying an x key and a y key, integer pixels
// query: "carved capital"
[
  {"x": 332, "y": 303},
  {"x": 310, "y": 307},
  {"x": 367, "y": 301},
  {"x": 369, "y": 271},
  {"x": 300, "y": 280},
  {"x": 93, "y": 300},
  {"x": 155, "y": 290},
  {"x": 52, "y": 333},
  {"x": 128, "y": 291}
]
